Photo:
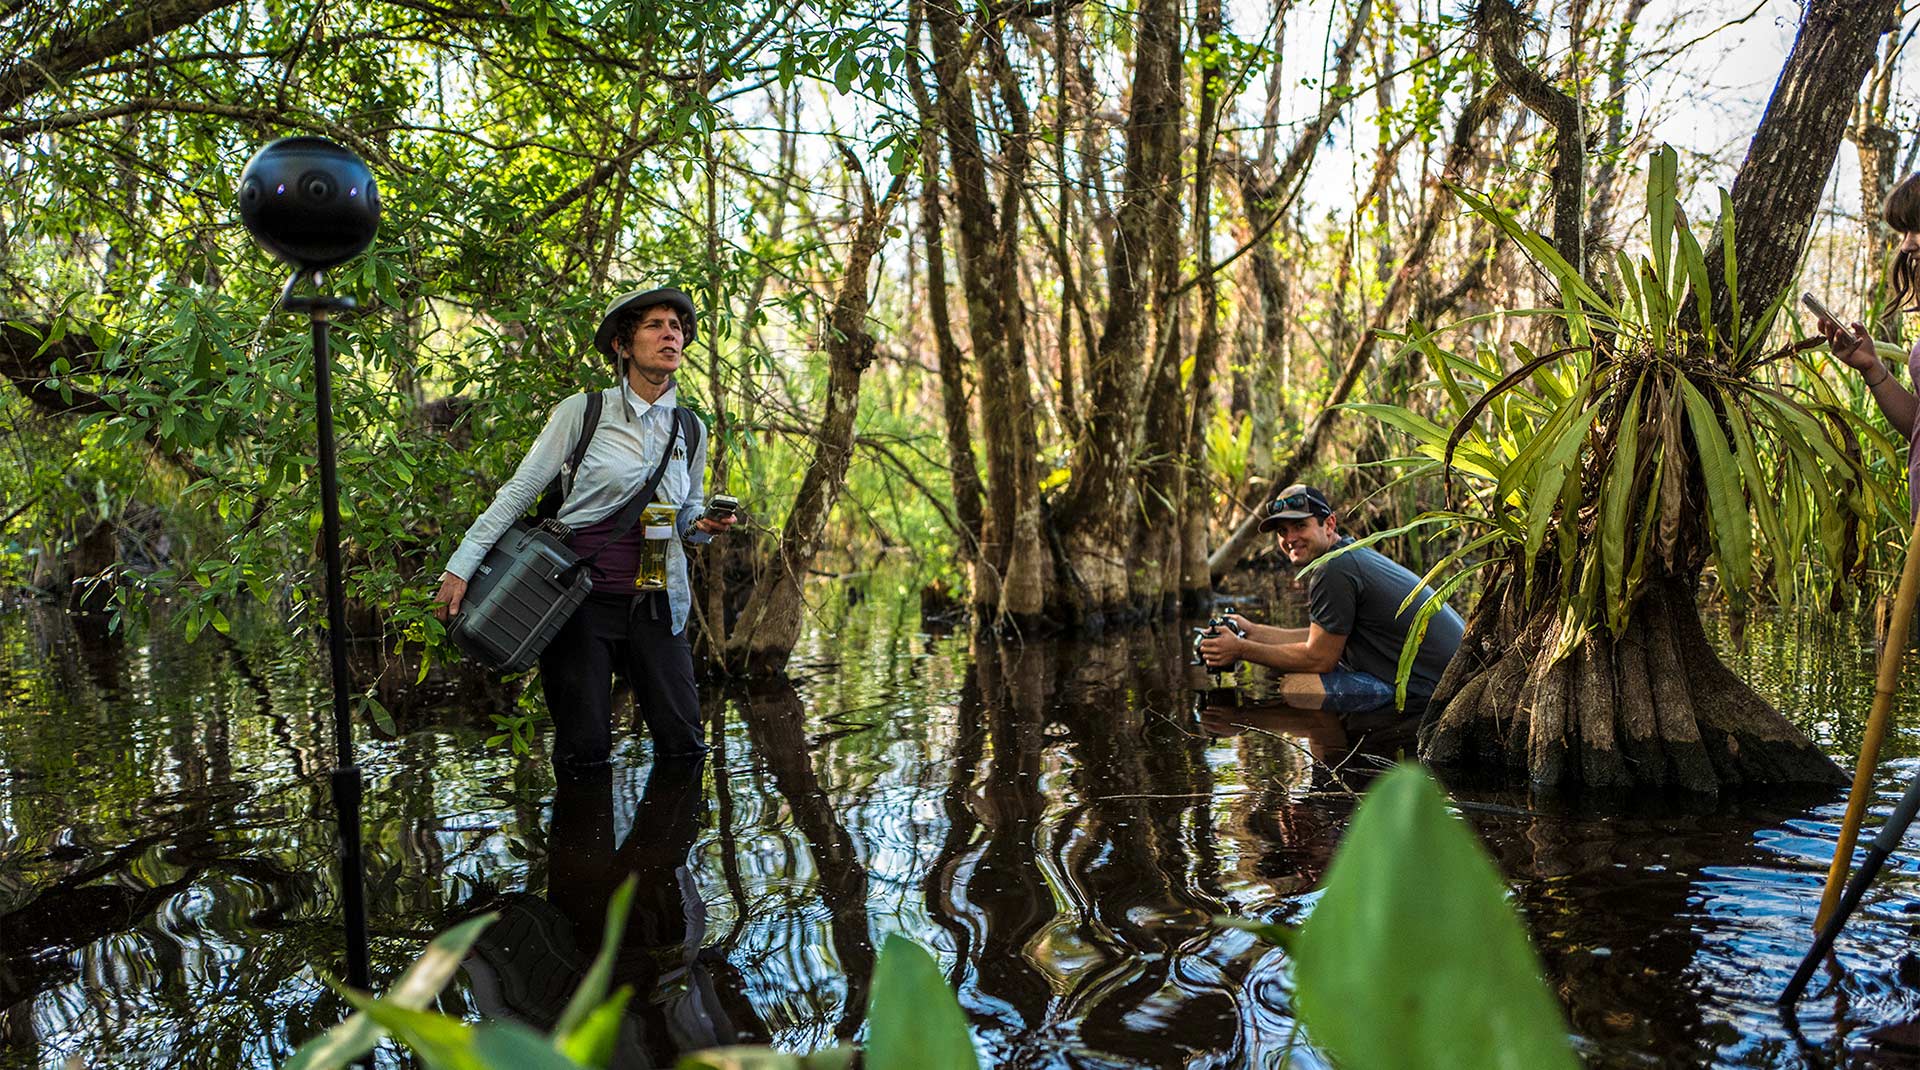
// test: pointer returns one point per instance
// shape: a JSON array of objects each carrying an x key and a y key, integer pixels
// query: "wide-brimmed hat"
[
  {"x": 1298, "y": 502},
  {"x": 639, "y": 299}
]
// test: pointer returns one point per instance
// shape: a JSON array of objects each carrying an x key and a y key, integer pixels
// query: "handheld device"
[
  {"x": 721, "y": 506},
  {"x": 1822, "y": 311},
  {"x": 1212, "y": 629}
]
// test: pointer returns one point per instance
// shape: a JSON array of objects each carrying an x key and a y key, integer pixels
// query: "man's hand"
[
  {"x": 1853, "y": 346},
  {"x": 716, "y": 527},
  {"x": 446, "y": 601},
  {"x": 1221, "y": 650}
]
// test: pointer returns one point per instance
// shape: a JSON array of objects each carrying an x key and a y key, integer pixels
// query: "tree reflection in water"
[{"x": 1058, "y": 821}]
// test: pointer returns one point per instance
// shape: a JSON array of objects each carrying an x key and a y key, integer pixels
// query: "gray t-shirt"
[{"x": 1358, "y": 595}]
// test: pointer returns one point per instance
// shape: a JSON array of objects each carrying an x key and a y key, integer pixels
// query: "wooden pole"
[{"x": 1883, "y": 690}]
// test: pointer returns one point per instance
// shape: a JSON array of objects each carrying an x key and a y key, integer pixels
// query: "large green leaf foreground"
[
  {"x": 1413, "y": 959},
  {"x": 1598, "y": 479}
]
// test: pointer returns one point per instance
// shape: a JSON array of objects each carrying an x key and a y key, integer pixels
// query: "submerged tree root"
[{"x": 1653, "y": 707}]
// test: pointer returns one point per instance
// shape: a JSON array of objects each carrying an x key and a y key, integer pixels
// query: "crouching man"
[{"x": 1346, "y": 659}]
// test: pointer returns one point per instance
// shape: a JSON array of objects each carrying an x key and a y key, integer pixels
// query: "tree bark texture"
[
  {"x": 1095, "y": 514},
  {"x": 954, "y": 406},
  {"x": 1651, "y": 707},
  {"x": 1778, "y": 188}
]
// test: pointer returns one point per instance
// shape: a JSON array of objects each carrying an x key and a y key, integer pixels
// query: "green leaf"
[
  {"x": 1417, "y": 634},
  {"x": 1696, "y": 279},
  {"x": 417, "y": 986},
  {"x": 913, "y": 1020},
  {"x": 1423, "y": 430},
  {"x": 445, "y": 1043},
  {"x": 1412, "y": 958},
  {"x": 507, "y": 1045},
  {"x": 593, "y": 987},
  {"x": 1616, "y": 507},
  {"x": 1556, "y": 467},
  {"x": 1764, "y": 509},
  {"x": 1732, "y": 531},
  {"x": 1540, "y": 249},
  {"x": 591, "y": 1042},
  {"x": 1663, "y": 193}
]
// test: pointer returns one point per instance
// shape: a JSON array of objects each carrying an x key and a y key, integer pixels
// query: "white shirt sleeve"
[{"x": 518, "y": 493}]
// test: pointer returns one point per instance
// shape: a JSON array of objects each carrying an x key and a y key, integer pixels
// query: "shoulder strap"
[
  {"x": 556, "y": 493},
  {"x": 630, "y": 513},
  {"x": 589, "y": 422},
  {"x": 689, "y": 429}
]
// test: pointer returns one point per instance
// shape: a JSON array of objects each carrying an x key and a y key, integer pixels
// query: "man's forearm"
[
  {"x": 1273, "y": 635},
  {"x": 1286, "y": 657}
]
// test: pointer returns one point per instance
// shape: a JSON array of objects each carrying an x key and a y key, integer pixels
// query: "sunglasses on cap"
[{"x": 1300, "y": 501}]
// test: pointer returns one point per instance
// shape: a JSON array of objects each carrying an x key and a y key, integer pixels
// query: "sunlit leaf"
[
  {"x": 1412, "y": 958},
  {"x": 417, "y": 986},
  {"x": 913, "y": 1019}
]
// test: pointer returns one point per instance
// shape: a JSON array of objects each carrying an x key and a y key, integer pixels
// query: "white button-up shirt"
[{"x": 625, "y": 448}]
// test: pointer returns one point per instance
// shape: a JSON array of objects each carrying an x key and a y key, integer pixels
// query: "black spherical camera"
[
  {"x": 309, "y": 202},
  {"x": 1212, "y": 629}
]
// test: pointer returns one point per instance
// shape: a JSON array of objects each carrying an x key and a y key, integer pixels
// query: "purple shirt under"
[{"x": 616, "y": 566}]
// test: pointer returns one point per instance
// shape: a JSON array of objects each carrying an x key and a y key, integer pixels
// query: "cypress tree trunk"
[
  {"x": 1654, "y": 705},
  {"x": 770, "y": 624},
  {"x": 1011, "y": 577},
  {"x": 1779, "y": 185},
  {"x": 1096, "y": 516}
]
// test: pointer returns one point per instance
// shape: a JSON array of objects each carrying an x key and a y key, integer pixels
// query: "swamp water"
[{"x": 1054, "y": 821}]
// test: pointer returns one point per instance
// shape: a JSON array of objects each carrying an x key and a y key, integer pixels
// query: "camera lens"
[{"x": 317, "y": 187}]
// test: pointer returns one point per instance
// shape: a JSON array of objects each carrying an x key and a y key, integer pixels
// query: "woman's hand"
[
  {"x": 1853, "y": 346},
  {"x": 716, "y": 527},
  {"x": 446, "y": 601}
]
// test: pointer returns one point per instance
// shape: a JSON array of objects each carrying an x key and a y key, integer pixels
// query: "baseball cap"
[{"x": 1298, "y": 502}]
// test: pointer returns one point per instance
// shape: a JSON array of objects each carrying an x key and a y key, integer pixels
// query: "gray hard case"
[{"x": 527, "y": 587}]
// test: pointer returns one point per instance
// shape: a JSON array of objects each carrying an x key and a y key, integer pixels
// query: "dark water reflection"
[{"x": 1055, "y": 820}]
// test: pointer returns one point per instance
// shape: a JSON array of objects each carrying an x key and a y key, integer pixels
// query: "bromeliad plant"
[{"x": 1598, "y": 480}]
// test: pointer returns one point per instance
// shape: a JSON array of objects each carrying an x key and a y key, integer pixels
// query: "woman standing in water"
[{"x": 1854, "y": 346}]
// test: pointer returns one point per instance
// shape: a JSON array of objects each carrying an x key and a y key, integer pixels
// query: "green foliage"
[
  {"x": 583, "y": 1037},
  {"x": 915, "y": 1021},
  {"x": 1412, "y": 957},
  {"x": 533, "y": 158},
  {"x": 1649, "y": 441}
]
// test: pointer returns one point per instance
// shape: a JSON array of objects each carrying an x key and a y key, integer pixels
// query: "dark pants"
[{"x": 632, "y": 636}]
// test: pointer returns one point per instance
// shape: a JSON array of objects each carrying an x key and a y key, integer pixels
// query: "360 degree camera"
[{"x": 309, "y": 201}]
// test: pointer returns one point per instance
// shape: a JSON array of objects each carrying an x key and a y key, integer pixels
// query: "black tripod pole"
[
  {"x": 1883, "y": 845},
  {"x": 346, "y": 775}
]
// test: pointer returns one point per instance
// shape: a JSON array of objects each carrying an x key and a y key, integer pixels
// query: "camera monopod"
[
  {"x": 1836, "y": 906},
  {"x": 1883, "y": 845},
  {"x": 313, "y": 204}
]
